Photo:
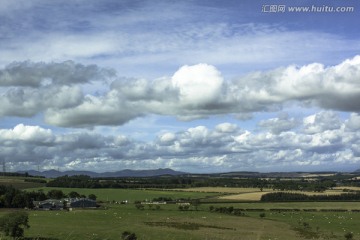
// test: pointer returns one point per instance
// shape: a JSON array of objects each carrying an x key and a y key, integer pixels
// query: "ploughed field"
[{"x": 210, "y": 219}]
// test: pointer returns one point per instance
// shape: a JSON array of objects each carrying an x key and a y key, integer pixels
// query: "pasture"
[
  {"x": 169, "y": 222},
  {"x": 283, "y": 220},
  {"x": 164, "y": 224},
  {"x": 131, "y": 195},
  {"x": 321, "y": 225}
]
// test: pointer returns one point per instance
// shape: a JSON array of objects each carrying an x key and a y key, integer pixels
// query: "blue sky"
[{"x": 198, "y": 86}]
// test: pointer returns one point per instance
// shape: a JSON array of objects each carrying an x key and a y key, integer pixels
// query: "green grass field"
[
  {"x": 168, "y": 222},
  {"x": 130, "y": 194},
  {"x": 325, "y": 225},
  {"x": 164, "y": 224}
]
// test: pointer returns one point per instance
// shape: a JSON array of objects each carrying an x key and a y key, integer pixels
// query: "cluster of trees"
[
  {"x": 303, "y": 185},
  {"x": 353, "y": 182},
  {"x": 227, "y": 210},
  {"x": 58, "y": 194},
  {"x": 176, "y": 200},
  {"x": 163, "y": 199},
  {"x": 13, "y": 224},
  {"x": 82, "y": 181},
  {"x": 288, "y": 196},
  {"x": 11, "y": 197}
]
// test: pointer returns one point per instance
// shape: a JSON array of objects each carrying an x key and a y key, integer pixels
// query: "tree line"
[{"x": 82, "y": 181}]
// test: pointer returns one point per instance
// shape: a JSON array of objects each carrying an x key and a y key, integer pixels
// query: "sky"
[{"x": 198, "y": 86}]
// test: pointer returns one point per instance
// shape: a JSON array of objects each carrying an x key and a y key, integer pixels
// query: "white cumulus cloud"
[{"x": 198, "y": 85}]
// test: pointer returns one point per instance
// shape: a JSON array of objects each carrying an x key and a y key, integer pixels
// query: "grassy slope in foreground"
[{"x": 164, "y": 224}]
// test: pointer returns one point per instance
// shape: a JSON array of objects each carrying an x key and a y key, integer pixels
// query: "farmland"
[
  {"x": 166, "y": 223},
  {"x": 254, "y": 194},
  {"x": 131, "y": 195},
  {"x": 170, "y": 223},
  {"x": 215, "y": 215}
]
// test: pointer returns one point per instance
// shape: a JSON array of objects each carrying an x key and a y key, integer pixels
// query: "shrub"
[
  {"x": 128, "y": 236},
  {"x": 349, "y": 236},
  {"x": 139, "y": 206}
]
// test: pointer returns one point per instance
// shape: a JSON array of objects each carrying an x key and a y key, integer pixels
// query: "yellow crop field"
[
  {"x": 226, "y": 190},
  {"x": 349, "y": 188},
  {"x": 256, "y": 195},
  {"x": 253, "y": 196}
]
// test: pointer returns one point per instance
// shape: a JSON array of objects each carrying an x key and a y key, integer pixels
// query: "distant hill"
[{"x": 122, "y": 173}]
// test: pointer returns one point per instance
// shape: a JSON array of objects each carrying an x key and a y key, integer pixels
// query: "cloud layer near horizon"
[
  {"x": 74, "y": 95},
  {"x": 309, "y": 142}
]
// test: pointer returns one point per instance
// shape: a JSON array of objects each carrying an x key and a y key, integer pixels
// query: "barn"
[
  {"x": 80, "y": 203},
  {"x": 49, "y": 204}
]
